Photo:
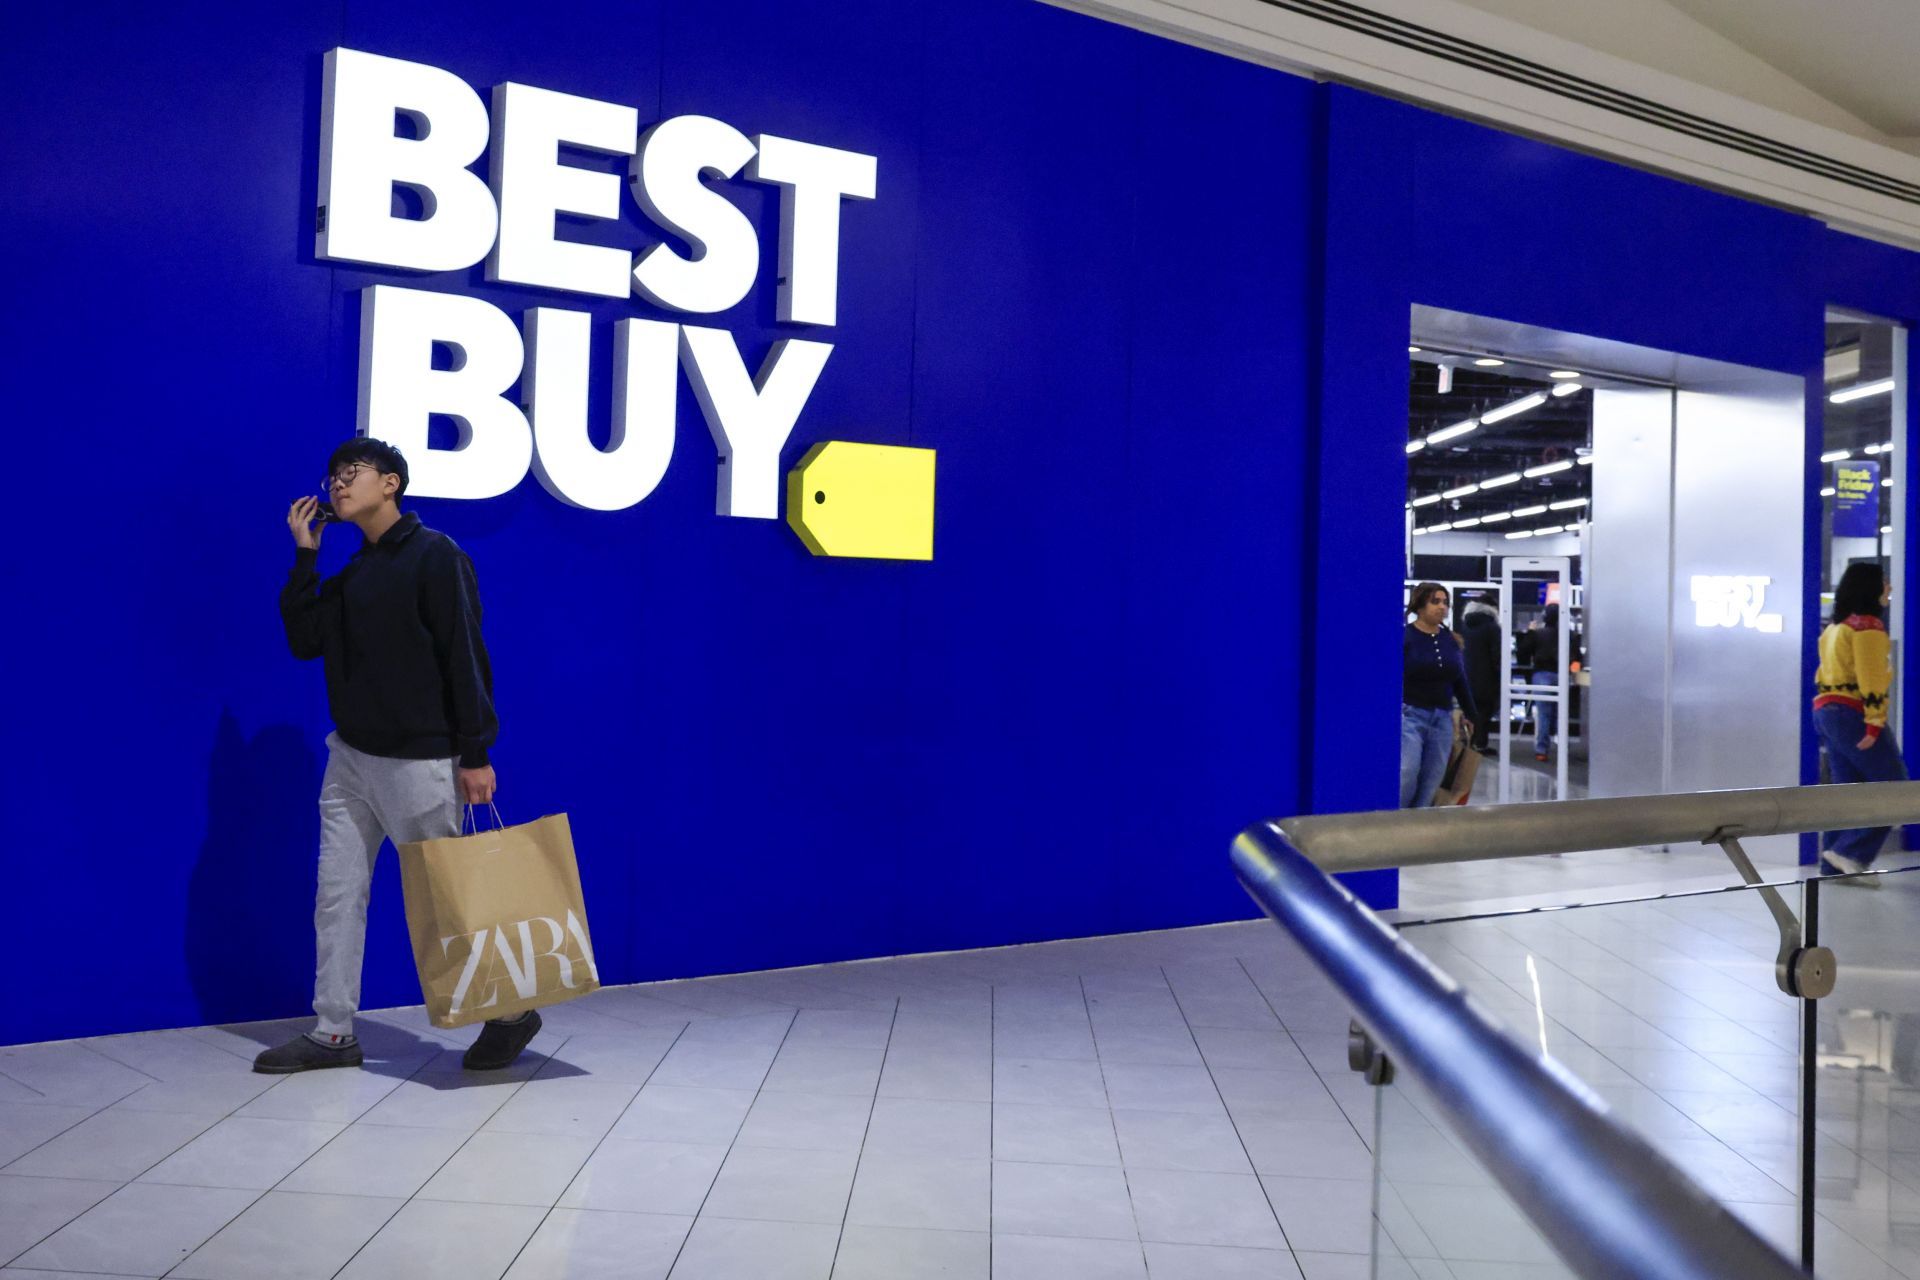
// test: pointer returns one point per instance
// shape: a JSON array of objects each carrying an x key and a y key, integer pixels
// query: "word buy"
[{"x": 390, "y": 126}]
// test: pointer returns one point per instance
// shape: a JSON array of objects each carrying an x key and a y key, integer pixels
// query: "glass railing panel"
[
  {"x": 1867, "y": 1112},
  {"x": 1667, "y": 1009},
  {"x": 1437, "y": 1212}
]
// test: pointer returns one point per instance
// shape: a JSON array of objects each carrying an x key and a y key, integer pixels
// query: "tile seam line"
[
  {"x": 515, "y": 1260},
  {"x": 409, "y": 1199}
]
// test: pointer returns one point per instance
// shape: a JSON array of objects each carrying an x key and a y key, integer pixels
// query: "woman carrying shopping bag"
[{"x": 1433, "y": 674}]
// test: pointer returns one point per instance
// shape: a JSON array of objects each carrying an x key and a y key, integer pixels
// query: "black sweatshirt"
[
  {"x": 1433, "y": 672},
  {"x": 399, "y": 627}
]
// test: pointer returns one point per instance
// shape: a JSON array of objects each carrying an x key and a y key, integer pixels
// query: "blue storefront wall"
[
  {"x": 1422, "y": 208},
  {"x": 1073, "y": 284},
  {"x": 1148, "y": 303}
]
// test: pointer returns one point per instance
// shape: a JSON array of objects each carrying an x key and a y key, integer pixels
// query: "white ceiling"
[{"x": 1861, "y": 55}]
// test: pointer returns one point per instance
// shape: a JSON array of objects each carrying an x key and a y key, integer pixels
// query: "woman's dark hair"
[
  {"x": 1859, "y": 591},
  {"x": 378, "y": 454},
  {"x": 1423, "y": 593}
]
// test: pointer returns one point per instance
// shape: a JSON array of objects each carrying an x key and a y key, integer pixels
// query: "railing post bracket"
[
  {"x": 1364, "y": 1056},
  {"x": 1806, "y": 973}
]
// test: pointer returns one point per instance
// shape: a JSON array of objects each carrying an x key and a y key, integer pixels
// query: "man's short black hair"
[{"x": 381, "y": 455}]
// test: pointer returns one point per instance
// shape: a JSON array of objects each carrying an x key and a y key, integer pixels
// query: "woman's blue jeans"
[
  {"x": 1841, "y": 728},
  {"x": 1426, "y": 740}
]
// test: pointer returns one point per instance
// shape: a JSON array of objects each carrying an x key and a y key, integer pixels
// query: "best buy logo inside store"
[{"x": 844, "y": 499}]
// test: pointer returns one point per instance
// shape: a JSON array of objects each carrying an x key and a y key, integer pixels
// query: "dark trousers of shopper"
[{"x": 1841, "y": 728}]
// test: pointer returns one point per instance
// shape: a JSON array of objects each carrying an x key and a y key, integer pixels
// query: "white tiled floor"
[{"x": 1172, "y": 1105}]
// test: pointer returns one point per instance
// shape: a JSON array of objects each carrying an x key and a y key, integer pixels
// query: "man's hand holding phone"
[{"x": 305, "y": 522}]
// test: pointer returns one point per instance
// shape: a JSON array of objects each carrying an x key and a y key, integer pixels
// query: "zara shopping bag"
[{"x": 497, "y": 921}]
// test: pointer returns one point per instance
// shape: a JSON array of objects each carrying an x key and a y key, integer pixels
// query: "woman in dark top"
[{"x": 1433, "y": 673}]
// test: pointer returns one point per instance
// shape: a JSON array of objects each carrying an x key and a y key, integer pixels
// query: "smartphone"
[{"x": 323, "y": 513}]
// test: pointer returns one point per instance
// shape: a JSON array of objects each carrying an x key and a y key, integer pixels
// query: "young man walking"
[{"x": 412, "y": 701}]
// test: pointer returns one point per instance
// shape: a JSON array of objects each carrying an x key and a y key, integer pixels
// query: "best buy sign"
[{"x": 509, "y": 222}]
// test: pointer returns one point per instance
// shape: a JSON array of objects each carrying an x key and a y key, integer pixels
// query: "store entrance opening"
[{"x": 1634, "y": 522}]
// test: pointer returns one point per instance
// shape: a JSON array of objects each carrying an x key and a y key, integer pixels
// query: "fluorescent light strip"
[
  {"x": 1512, "y": 477},
  {"x": 1427, "y": 501},
  {"x": 1586, "y": 461},
  {"x": 1519, "y": 406},
  {"x": 1886, "y": 528},
  {"x": 1836, "y": 455},
  {"x": 1519, "y": 533},
  {"x": 1827, "y": 492},
  {"x": 1462, "y": 491},
  {"x": 1547, "y": 469},
  {"x": 1496, "y": 517},
  {"x": 1887, "y": 483},
  {"x": 1468, "y": 523},
  {"x": 1458, "y": 429},
  {"x": 1561, "y": 375},
  {"x": 1861, "y": 392},
  {"x": 1564, "y": 389},
  {"x": 1567, "y": 505},
  {"x": 1415, "y": 446},
  {"x": 1524, "y": 512},
  {"x": 1489, "y": 362},
  {"x": 1871, "y": 450}
]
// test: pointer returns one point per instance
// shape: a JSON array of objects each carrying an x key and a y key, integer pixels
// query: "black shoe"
[
  {"x": 304, "y": 1053},
  {"x": 501, "y": 1042}
]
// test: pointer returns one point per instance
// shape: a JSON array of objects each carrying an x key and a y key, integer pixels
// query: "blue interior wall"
[
  {"x": 1147, "y": 302},
  {"x": 1422, "y": 208},
  {"x": 1072, "y": 285}
]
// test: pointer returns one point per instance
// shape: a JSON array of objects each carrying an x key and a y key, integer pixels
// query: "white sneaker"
[{"x": 1841, "y": 863}]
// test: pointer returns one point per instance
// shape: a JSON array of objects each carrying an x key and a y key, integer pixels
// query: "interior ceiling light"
[
  {"x": 1871, "y": 450},
  {"x": 1836, "y": 455},
  {"x": 1887, "y": 483},
  {"x": 1462, "y": 491},
  {"x": 1550, "y": 529},
  {"x": 1455, "y": 431},
  {"x": 1519, "y": 533},
  {"x": 1886, "y": 528},
  {"x": 1524, "y": 512},
  {"x": 1413, "y": 351},
  {"x": 1427, "y": 501},
  {"x": 1519, "y": 406},
  {"x": 1887, "y": 447},
  {"x": 1560, "y": 375},
  {"x": 1567, "y": 504},
  {"x": 1827, "y": 492},
  {"x": 1587, "y": 461},
  {"x": 1415, "y": 446},
  {"x": 1488, "y": 362},
  {"x": 1547, "y": 469},
  {"x": 1496, "y": 517},
  {"x": 1862, "y": 391},
  {"x": 1512, "y": 477},
  {"x": 1565, "y": 388},
  {"x": 1468, "y": 523}
]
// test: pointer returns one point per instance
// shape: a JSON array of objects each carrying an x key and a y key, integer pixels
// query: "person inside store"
[
  {"x": 1481, "y": 629},
  {"x": 1850, "y": 694},
  {"x": 1433, "y": 676},
  {"x": 1540, "y": 646}
]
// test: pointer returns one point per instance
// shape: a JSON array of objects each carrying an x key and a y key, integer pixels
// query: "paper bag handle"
[{"x": 469, "y": 825}]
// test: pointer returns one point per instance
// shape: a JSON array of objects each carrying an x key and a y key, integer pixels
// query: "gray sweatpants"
[{"x": 363, "y": 800}]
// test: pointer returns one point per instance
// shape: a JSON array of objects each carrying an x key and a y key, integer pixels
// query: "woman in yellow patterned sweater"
[{"x": 1850, "y": 706}]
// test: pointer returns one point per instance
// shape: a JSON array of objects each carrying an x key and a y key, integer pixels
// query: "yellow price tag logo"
[{"x": 869, "y": 500}]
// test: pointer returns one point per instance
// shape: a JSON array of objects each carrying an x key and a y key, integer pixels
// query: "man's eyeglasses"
[{"x": 346, "y": 475}]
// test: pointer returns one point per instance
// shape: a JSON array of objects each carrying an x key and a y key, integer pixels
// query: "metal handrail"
[
  {"x": 1602, "y": 1196},
  {"x": 1417, "y": 837}
]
